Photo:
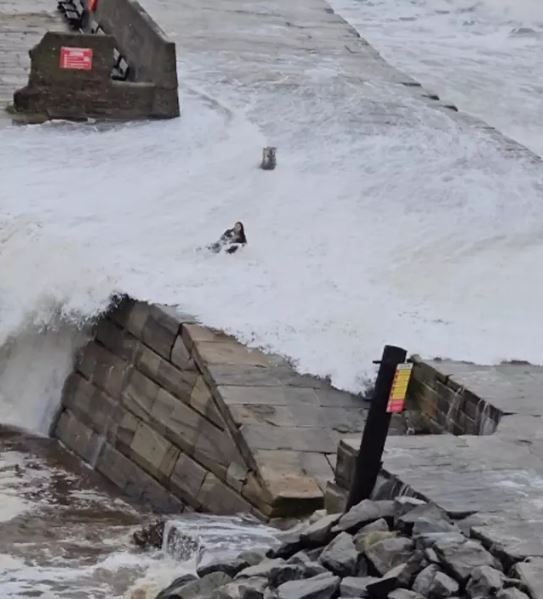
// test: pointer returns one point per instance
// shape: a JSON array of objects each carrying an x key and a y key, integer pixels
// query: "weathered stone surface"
[
  {"x": 340, "y": 555},
  {"x": 372, "y": 537},
  {"x": 179, "y": 383},
  {"x": 364, "y": 512},
  {"x": 511, "y": 593},
  {"x": 323, "y": 586},
  {"x": 404, "y": 504},
  {"x": 389, "y": 553},
  {"x": 252, "y": 588},
  {"x": 195, "y": 588},
  {"x": 531, "y": 575},
  {"x": 265, "y": 436},
  {"x": 180, "y": 355},
  {"x": 484, "y": 582},
  {"x": 153, "y": 452},
  {"x": 318, "y": 533},
  {"x": 355, "y": 586},
  {"x": 220, "y": 499},
  {"x": 384, "y": 585},
  {"x": 285, "y": 573},
  {"x": 135, "y": 482},
  {"x": 404, "y": 594},
  {"x": 211, "y": 562},
  {"x": 434, "y": 584},
  {"x": 263, "y": 569},
  {"x": 202, "y": 401},
  {"x": 139, "y": 394},
  {"x": 427, "y": 512},
  {"x": 187, "y": 478},
  {"x": 229, "y": 352},
  {"x": 159, "y": 335},
  {"x": 462, "y": 557},
  {"x": 428, "y": 540},
  {"x": 78, "y": 437}
]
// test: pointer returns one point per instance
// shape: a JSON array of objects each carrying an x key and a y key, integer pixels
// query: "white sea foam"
[{"x": 415, "y": 231}]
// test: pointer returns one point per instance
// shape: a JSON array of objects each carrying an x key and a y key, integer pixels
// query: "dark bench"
[{"x": 77, "y": 15}]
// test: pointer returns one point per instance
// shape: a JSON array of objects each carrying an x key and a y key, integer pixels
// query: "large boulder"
[
  {"x": 231, "y": 565},
  {"x": 363, "y": 513},
  {"x": 322, "y": 586},
  {"x": 264, "y": 568},
  {"x": 404, "y": 594},
  {"x": 318, "y": 533},
  {"x": 485, "y": 582},
  {"x": 340, "y": 555},
  {"x": 182, "y": 588},
  {"x": 355, "y": 586},
  {"x": 511, "y": 593},
  {"x": 435, "y": 584},
  {"x": 461, "y": 557},
  {"x": 252, "y": 588},
  {"x": 404, "y": 504},
  {"x": 427, "y": 512},
  {"x": 388, "y": 553}
]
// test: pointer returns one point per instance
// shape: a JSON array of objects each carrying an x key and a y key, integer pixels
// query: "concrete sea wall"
[
  {"x": 181, "y": 416},
  {"x": 131, "y": 69}
]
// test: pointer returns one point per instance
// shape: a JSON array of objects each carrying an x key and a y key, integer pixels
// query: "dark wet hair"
[{"x": 242, "y": 237}]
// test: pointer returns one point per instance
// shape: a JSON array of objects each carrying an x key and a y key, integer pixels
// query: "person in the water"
[{"x": 231, "y": 240}]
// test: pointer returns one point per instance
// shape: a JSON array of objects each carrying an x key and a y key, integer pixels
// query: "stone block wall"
[
  {"x": 445, "y": 405},
  {"x": 182, "y": 416}
]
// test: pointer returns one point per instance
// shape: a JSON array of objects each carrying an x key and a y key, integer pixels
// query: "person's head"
[{"x": 239, "y": 230}]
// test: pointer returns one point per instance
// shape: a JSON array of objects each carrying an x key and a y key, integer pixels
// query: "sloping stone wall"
[
  {"x": 446, "y": 405},
  {"x": 179, "y": 415}
]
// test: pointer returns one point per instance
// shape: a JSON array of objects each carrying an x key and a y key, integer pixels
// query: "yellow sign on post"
[{"x": 396, "y": 399}]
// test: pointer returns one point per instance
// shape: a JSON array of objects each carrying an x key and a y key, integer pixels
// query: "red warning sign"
[
  {"x": 77, "y": 59},
  {"x": 396, "y": 399}
]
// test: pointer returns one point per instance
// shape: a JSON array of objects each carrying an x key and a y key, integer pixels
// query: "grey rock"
[
  {"x": 209, "y": 563},
  {"x": 461, "y": 558},
  {"x": 426, "y": 525},
  {"x": 511, "y": 593},
  {"x": 361, "y": 566},
  {"x": 380, "y": 525},
  {"x": 429, "y": 539},
  {"x": 415, "y": 564},
  {"x": 252, "y": 557},
  {"x": 313, "y": 568},
  {"x": 290, "y": 543},
  {"x": 340, "y": 555},
  {"x": 427, "y": 511},
  {"x": 404, "y": 594},
  {"x": 252, "y": 588},
  {"x": 227, "y": 591},
  {"x": 180, "y": 589},
  {"x": 364, "y": 542},
  {"x": 355, "y": 586},
  {"x": 434, "y": 584},
  {"x": 362, "y": 513},
  {"x": 285, "y": 573},
  {"x": 323, "y": 586},
  {"x": 264, "y": 568},
  {"x": 530, "y": 573},
  {"x": 300, "y": 558},
  {"x": 404, "y": 504},
  {"x": 383, "y": 586},
  {"x": 389, "y": 553},
  {"x": 314, "y": 554},
  {"x": 318, "y": 533},
  {"x": 484, "y": 581}
]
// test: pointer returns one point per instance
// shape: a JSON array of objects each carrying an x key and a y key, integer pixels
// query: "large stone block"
[
  {"x": 228, "y": 352},
  {"x": 186, "y": 479},
  {"x": 117, "y": 340},
  {"x": 202, "y": 401},
  {"x": 265, "y": 436},
  {"x": 139, "y": 394},
  {"x": 82, "y": 440},
  {"x": 195, "y": 435},
  {"x": 267, "y": 395},
  {"x": 218, "y": 498},
  {"x": 153, "y": 452},
  {"x": 256, "y": 376},
  {"x": 103, "y": 368},
  {"x": 195, "y": 333},
  {"x": 135, "y": 482},
  {"x": 91, "y": 405},
  {"x": 159, "y": 332},
  {"x": 131, "y": 315},
  {"x": 179, "y": 383},
  {"x": 180, "y": 355}
]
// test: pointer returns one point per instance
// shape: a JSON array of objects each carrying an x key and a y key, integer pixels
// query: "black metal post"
[{"x": 368, "y": 461}]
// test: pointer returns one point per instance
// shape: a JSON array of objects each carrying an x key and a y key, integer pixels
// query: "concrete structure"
[
  {"x": 496, "y": 474},
  {"x": 22, "y": 24},
  {"x": 121, "y": 31},
  {"x": 177, "y": 414}
]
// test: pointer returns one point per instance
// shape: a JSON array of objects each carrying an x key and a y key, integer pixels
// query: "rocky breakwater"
[{"x": 391, "y": 549}]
